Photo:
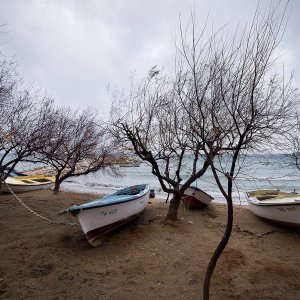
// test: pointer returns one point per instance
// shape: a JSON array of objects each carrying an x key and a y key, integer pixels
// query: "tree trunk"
[
  {"x": 1, "y": 176},
  {"x": 219, "y": 250},
  {"x": 173, "y": 208},
  {"x": 56, "y": 186}
]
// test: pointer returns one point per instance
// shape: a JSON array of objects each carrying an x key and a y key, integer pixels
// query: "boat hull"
[
  {"x": 286, "y": 215},
  {"x": 97, "y": 221},
  {"x": 191, "y": 202},
  {"x": 278, "y": 207},
  {"x": 196, "y": 198}
]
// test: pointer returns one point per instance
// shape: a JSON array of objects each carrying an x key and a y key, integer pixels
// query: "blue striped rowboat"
[{"x": 102, "y": 215}]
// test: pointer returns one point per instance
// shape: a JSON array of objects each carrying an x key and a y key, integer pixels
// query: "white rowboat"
[
  {"x": 21, "y": 184},
  {"x": 276, "y": 206},
  {"x": 102, "y": 215},
  {"x": 196, "y": 198}
]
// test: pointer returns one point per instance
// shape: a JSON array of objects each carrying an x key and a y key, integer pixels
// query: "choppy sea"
[{"x": 263, "y": 171}]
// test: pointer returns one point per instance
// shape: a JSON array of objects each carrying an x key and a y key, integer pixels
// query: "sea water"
[{"x": 259, "y": 171}]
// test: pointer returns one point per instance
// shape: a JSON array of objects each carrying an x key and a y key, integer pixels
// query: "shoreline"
[
  {"x": 146, "y": 258},
  {"x": 100, "y": 182},
  {"x": 79, "y": 188}
]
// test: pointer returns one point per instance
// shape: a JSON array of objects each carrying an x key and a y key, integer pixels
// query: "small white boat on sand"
[
  {"x": 19, "y": 184},
  {"x": 276, "y": 206},
  {"x": 102, "y": 215},
  {"x": 196, "y": 198}
]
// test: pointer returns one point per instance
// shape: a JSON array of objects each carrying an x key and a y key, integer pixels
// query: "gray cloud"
[{"x": 74, "y": 49}]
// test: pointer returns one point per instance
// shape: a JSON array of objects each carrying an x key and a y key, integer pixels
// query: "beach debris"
[{"x": 152, "y": 193}]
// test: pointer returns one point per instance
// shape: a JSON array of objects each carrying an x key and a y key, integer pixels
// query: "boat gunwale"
[
  {"x": 260, "y": 203},
  {"x": 78, "y": 208},
  {"x": 255, "y": 201},
  {"x": 28, "y": 184},
  {"x": 196, "y": 189},
  {"x": 199, "y": 190}
]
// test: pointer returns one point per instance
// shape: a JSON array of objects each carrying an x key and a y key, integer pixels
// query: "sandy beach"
[{"x": 145, "y": 259}]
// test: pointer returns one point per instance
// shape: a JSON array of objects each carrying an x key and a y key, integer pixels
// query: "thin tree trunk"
[
  {"x": 1, "y": 176},
  {"x": 173, "y": 208},
  {"x": 219, "y": 250},
  {"x": 56, "y": 184},
  {"x": 56, "y": 187}
]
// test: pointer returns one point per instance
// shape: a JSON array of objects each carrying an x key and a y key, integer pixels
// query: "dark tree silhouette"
[
  {"x": 153, "y": 122},
  {"x": 78, "y": 145},
  {"x": 237, "y": 101},
  {"x": 24, "y": 116},
  {"x": 224, "y": 99}
]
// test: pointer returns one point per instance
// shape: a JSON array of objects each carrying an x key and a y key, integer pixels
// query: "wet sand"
[{"x": 145, "y": 259}]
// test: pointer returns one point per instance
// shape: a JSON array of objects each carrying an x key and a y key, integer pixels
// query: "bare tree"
[
  {"x": 238, "y": 102},
  {"x": 23, "y": 114},
  {"x": 78, "y": 145},
  {"x": 24, "y": 127},
  {"x": 292, "y": 142},
  {"x": 8, "y": 82},
  {"x": 153, "y": 122},
  {"x": 224, "y": 99}
]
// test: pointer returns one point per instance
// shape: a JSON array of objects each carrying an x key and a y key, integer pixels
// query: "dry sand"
[{"x": 145, "y": 259}]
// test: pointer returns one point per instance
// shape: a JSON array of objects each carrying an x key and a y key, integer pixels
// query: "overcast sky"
[{"x": 75, "y": 49}]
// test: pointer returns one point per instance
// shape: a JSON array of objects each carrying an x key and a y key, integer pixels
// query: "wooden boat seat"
[
  {"x": 265, "y": 197},
  {"x": 41, "y": 180},
  {"x": 272, "y": 195},
  {"x": 26, "y": 181}
]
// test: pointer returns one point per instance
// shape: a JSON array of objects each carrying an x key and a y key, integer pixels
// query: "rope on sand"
[{"x": 34, "y": 212}]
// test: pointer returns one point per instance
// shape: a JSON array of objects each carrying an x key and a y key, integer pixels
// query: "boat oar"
[{"x": 63, "y": 211}]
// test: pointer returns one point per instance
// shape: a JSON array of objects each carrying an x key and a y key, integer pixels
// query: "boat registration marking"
[
  {"x": 109, "y": 212},
  {"x": 291, "y": 208}
]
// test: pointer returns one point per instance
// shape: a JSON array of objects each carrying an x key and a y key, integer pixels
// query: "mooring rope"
[{"x": 34, "y": 212}]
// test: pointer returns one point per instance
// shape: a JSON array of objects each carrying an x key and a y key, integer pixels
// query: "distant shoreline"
[
  {"x": 260, "y": 172},
  {"x": 78, "y": 188}
]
